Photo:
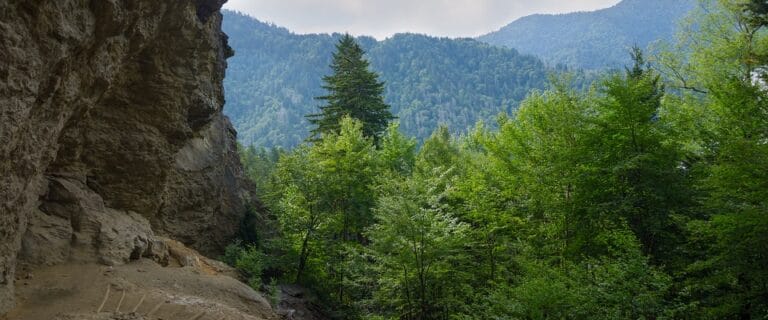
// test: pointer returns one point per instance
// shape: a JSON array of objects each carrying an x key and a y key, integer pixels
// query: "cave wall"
[{"x": 111, "y": 132}]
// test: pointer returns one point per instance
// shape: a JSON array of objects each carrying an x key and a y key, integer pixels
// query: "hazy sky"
[{"x": 382, "y": 18}]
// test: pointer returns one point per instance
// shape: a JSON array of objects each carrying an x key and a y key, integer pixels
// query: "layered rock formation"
[{"x": 111, "y": 132}]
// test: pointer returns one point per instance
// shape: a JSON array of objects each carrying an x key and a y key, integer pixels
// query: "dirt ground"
[{"x": 139, "y": 290}]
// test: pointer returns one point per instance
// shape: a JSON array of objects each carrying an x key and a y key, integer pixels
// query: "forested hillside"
[
  {"x": 275, "y": 75},
  {"x": 594, "y": 40},
  {"x": 643, "y": 197}
]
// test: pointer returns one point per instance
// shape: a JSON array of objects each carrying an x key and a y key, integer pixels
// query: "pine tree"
[
  {"x": 353, "y": 91},
  {"x": 756, "y": 12}
]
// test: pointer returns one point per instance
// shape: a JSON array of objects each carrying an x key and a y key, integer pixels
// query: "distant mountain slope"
[
  {"x": 595, "y": 39},
  {"x": 274, "y": 76}
]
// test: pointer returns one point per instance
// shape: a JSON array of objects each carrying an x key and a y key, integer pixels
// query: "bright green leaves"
[
  {"x": 324, "y": 198},
  {"x": 397, "y": 152},
  {"x": 627, "y": 201},
  {"x": 726, "y": 276},
  {"x": 641, "y": 183},
  {"x": 249, "y": 260},
  {"x": 574, "y": 185},
  {"x": 417, "y": 245}
]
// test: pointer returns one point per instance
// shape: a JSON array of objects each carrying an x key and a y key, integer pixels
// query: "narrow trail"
[
  {"x": 122, "y": 302},
  {"x": 138, "y": 291}
]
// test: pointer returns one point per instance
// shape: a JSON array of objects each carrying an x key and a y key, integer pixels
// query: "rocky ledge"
[{"x": 111, "y": 132}]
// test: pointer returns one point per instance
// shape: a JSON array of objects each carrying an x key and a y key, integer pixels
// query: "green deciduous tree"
[
  {"x": 728, "y": 48},
  {"x": 324, "y": 200},
  {"x": 638, "y": 175},
  {"x": 397, "y": 152},
  {"x": 417, "y": 247},
  {"x": 299, "y": 202}
]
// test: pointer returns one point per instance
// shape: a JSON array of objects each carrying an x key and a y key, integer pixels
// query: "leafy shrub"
[
  {"x": 249, "y": 260},
  {"x": 232, "y": 252},
  {"x": 251, "y": 264}
]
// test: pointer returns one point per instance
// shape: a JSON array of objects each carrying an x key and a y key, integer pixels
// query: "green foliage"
[
  {"x": 353, "y": 91},
  {"x": 324, "y": 204},
  {"x": 416, "y": 245},
  {"x": 646, "y": 186},
  {"x": 251, "y": 263},
  {"x": 397, "y": 152},
  {"x": 232, "y": 253},
  {"x": 272, "y": 81},
  {"x": 594, "y": 40},
  {"x": 727, "y": 277},
  {"x": 274, "y": 293},
  {"x": 756, "y": 12},
  {"x": 643, "y": 197},
  {"x": 618, "y": 286},
  {"x": 248, "y": 260},
  {"x": 259, "y": 164}
]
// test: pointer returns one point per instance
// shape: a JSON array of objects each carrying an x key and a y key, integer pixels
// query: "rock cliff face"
[{"x": 111, "y": 132}]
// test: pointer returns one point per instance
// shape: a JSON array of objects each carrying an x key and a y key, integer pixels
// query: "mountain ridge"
[
  {"x": 275, "y": 75},
  {"x": 593, "y": 39}
]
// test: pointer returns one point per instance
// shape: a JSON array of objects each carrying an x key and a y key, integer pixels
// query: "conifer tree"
[{"x": 353, "y": 91}]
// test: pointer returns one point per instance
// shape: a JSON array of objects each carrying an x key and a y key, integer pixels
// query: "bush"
[
  {"x": 251, "y": 263},
  {"x": 249, "y": 260},
  {"x": 232, "y": 252}
]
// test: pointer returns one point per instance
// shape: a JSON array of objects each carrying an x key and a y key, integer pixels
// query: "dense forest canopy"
[
  {"x": 594, "y": 40},
  {"x": 644, "y": 196},
  {"x": 273, "y": 79}
]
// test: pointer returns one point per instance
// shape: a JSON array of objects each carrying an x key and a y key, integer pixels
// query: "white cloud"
[{"x": 382, "y": 18}]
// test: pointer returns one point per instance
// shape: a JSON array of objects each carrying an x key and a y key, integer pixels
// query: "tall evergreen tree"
[
  {"x": 640, "y": 178},
  {"x": 756, "y": 12},
  {"x": 353, "y": 91}
]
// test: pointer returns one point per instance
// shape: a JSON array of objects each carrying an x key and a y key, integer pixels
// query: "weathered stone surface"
[
  {"x": 72, "y": 224},
  {"x": 111, "y": 131}
]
